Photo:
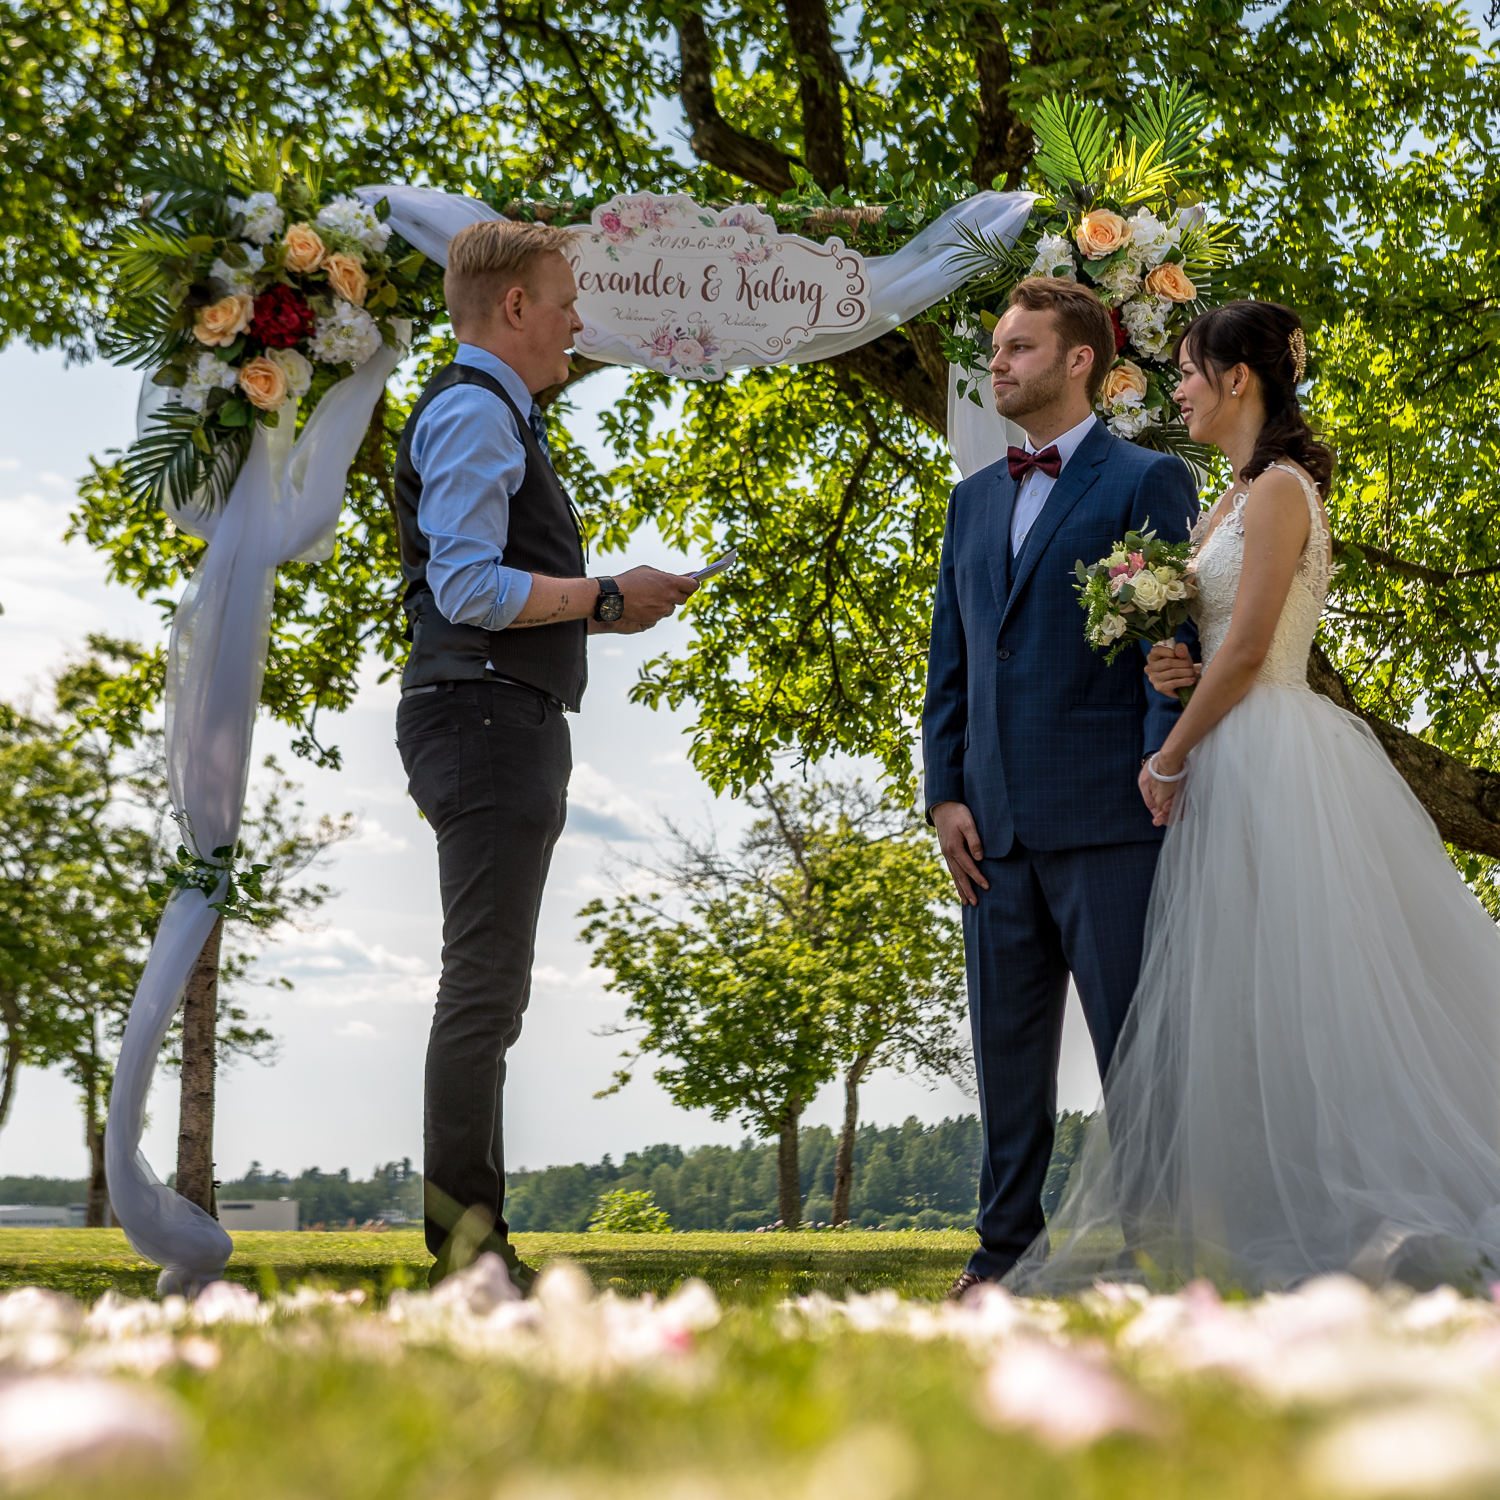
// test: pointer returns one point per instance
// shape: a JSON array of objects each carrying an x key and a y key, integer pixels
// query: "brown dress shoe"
[{"x": 965, "y": 1283}]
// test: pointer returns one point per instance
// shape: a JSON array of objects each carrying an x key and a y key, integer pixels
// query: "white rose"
[
  {"x": 264, "y": 218},
  {"x": 298, "y": 371},
  {"x": 1149, "y": 593},
  {"x": 239, "y": 278},
  {"x": 1110, "y": 628},
  {"x": 688, "y": 352},
  {"x": 1176, "y": 589}
]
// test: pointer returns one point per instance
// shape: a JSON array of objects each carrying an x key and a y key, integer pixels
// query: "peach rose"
[
  {"x": 1168, "y": 281},
  {"x": 1126, "y": 379},
  {"x": 347, "y": 278},
  {"x": 304, "y": 249},
  {"x": 264, "y": 383},
  {"x": 1101, "y": 233},
  {"x": 221, "y": 323}
]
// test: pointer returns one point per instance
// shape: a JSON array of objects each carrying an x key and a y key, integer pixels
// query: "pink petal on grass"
[{"x": 1065, "y": 1398}]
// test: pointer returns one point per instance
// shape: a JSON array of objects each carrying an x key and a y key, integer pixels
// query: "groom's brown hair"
[
  {"x": 1080, "y": 318},
  {"x": 486, "y": 260}
]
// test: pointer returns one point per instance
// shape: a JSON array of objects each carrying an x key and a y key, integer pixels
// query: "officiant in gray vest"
[{"x": 498, "y": 608}]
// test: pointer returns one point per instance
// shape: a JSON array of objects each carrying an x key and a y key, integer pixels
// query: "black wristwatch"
[{"x": 610, "y": 604}]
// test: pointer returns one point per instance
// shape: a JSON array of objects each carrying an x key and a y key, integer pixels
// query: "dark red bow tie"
[{"x": 1049, "y": 461}]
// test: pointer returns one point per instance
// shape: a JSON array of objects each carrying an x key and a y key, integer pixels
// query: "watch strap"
[{"x": 607, "y": 588}]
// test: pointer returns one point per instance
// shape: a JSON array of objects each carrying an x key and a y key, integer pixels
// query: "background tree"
[
  {"x": 816, "y": 947},
  {"x": 1362, "y": 164},
  {"x": 84, "y": 832}
]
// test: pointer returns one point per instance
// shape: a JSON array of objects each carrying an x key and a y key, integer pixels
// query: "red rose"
[
  {"x": 1114, "y": 317},
  {"x": 281, "y": 318}
]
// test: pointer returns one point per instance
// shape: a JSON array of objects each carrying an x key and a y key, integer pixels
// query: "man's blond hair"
[{"x": 486, "y": 260}]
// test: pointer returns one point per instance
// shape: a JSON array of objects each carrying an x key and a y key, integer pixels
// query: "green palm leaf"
[
  {"x": 989, "y": 265},
  {"x": 141, "y": 334},
  {"x": 1172, "y": 118},
  {"x": 137, "y": 254},
  {"x": 167, "y": 461},
  {"x": 1172, "y": 437},
  {"x": 1072, "y": 142},
  {"x": 190, "y": 178}
]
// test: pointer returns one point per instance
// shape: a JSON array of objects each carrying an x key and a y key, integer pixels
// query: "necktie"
[
  {"x": 1049, "y": 461},
  {"x": 539, "y": 430}
]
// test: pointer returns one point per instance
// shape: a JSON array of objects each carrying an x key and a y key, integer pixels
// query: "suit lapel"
[
  {"x": 1002, "y": 507},
  {"x": 1075, "y": 481}
]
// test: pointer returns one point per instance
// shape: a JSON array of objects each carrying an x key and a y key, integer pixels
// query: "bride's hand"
[
  {"x": 1170, "y": 666},
  {"x": 1158, "y": 796}
]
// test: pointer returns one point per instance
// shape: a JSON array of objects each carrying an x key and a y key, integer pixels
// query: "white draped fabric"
[{"x": 284, "y": 507}]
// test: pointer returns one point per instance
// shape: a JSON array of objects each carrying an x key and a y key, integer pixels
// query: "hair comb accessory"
[{"x": 1298, "y": 345}]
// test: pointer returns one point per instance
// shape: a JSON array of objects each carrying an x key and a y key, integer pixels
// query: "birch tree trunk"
[
  {"x": 96, "y": 1214},
  {"x": 195, "y": 1133}
]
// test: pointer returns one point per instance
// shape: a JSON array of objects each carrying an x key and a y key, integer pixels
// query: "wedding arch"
[{"x": 283, "y": 505}]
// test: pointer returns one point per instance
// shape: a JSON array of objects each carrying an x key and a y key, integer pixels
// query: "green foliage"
[
  {"x": 626, "y": 1212},
  {"x": 330, "y": 1200}
]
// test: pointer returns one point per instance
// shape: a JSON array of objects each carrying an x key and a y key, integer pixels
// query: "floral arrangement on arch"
[
  {"x": 247, "y": 289},
  {"x": 1122, "y": 220}
]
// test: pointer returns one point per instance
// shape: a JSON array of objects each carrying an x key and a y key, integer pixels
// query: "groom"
[{"x": 1033, "y": 746}]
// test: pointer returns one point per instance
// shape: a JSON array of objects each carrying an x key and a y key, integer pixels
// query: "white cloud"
[
  {"x": 55, "y": 480},
  {"x": 9, "y": 465},
  {"x": 601, "y": 807},
  {"x": 373, "y": 838},
  {"x": 356, "y": 1028},
  {"x": 336, "y": 966}
]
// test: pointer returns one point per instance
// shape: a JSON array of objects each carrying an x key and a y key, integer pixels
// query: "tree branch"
[
  {"x": 1005, "y": 143},
  {"x": 713, "y": 139},
  {"x": 820, "y": 75},
  {"x": 1415, "y": 572},
  {"x": 1464, "y": 802},
  {"x": 892, "y": 365}
]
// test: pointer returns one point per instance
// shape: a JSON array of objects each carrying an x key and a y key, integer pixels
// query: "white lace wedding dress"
[{"x": 1309, "y": 1078}]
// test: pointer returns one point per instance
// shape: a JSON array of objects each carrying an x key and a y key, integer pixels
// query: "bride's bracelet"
[{"x": 1157, "y": 775}]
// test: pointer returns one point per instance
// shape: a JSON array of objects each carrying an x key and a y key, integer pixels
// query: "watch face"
[{"x": 611, "y": 606}]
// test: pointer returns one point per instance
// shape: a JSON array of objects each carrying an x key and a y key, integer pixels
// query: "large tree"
[{"x": 1353, "y": 138}]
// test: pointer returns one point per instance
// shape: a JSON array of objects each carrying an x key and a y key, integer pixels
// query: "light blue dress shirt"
[
  {"x": 469, "y": 454},
  {"x": 1036, "y": 486}
]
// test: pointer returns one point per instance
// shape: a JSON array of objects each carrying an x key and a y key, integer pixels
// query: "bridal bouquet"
[
  {"x": 1140, "y": 592},
  {"x": 246, "y": 289}
]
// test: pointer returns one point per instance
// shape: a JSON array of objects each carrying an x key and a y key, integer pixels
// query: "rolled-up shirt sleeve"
[{"x": 471, "y": 460}]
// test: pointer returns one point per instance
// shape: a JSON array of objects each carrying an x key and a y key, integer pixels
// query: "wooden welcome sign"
[{"x": 691, "y": 289}]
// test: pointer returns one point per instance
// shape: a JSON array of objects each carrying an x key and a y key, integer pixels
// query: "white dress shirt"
[
  {"x": 471, "y": 459},
  {"x": 1036, "y": 486}
]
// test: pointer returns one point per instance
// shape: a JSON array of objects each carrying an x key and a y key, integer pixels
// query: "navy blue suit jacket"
[{"x": 1023, "y": 721}]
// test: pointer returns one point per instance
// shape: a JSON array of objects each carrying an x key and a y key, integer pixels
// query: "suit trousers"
[
  {"x": 488, "y": 765},
  {"x": 1047, "y": 913}
]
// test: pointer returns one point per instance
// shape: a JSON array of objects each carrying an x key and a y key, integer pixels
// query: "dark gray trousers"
[{"x": 488, "y": 764}]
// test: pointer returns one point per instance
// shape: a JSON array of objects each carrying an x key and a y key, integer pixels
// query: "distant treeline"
[{"x": 910, "y": 1176}]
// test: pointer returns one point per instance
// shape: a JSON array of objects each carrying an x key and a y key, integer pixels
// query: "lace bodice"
[{"x": 1219, "y": 560}]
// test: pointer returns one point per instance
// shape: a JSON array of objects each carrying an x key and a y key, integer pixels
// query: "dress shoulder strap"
[{"x": 1319, "y": 543}]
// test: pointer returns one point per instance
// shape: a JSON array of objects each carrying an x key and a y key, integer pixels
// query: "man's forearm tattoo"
[{"x": 562, "y": 604}]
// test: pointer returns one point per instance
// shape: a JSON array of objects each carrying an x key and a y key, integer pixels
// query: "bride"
[{"x": 1309, "y": 1077}]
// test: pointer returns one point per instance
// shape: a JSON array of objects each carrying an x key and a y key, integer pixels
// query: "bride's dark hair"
[{"x": 1261, "y": 335}]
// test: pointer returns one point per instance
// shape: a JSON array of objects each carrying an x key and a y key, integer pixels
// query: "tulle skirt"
[{"x": 1309, "y": 1077}]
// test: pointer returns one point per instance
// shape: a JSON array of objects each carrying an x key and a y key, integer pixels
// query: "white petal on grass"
[
  {"x": 1066, "y": 1397},
  {"x": 1422, "y": 1449},
  {"x": 62, "y": 1423}
]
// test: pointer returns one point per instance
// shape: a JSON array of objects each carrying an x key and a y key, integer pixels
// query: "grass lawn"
[{"x": 85, "y": 1263}]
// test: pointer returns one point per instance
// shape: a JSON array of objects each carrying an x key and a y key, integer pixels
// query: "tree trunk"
[
  {"x": 10, "y": 1056},
  {"x": 96, "y": 1214},
  {"x": 843, "y": 1163},
  {"x": 195, "y": 1133},
  {"x": 788, "y": 1172}
]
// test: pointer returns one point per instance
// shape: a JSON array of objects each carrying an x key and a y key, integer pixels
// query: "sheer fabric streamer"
[{"x": 284, "y": 507}]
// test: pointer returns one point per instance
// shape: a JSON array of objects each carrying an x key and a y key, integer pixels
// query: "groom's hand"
[{"x": 958, "y": 838}]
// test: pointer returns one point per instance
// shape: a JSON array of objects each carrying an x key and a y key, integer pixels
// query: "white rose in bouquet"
[
  {"x": 1054, "y": 252},
  {"x": 209, "y": 374},
  {"x": 1110, "y": 628},
  {"x": 264, "y": 218},
  {"x": 349, "y": 335},
  {"x": 349, "y": 216},
  {"x": 1150, "y": 592},
  {"x": 298, "y": 371}
]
